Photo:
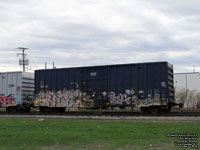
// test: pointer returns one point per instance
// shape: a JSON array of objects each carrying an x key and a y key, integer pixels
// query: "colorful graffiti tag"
[
  {"x": 76, "y": 98},
  {"x": 130, "y": 97},
  {"x": 64, "y": 98},
  {"x": 127, "y": 98},
  {"x": 6, "y": 101}
]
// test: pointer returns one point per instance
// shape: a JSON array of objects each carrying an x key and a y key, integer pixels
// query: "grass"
[{"x": 30, "y": 134}]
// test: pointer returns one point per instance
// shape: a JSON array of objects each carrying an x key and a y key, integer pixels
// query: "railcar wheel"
[
  {"x": 153, "y": 110},
  {"x": 27, "y": 109},
  {"x": 11, "y": 109},
  {"x": 59, "y": 110},
  {"x": 164, "y": 110},
  {"x": 8, "y": 109},
  {"x": 145, "y": 110},
  {"x": 42, "y": 109},
  {"x": 49, "y": 109},
  {"x": 122, "y": 107},
  {"x": 169, "y": 109},
  {"x": 95, "y": 108},
  {"x": 46, "y": 109},
  {"x": 104, "y": 107},
  {"x": 62, "y": 110}
]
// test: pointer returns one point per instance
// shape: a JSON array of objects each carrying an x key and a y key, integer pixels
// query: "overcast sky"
[{"x": 99, "y": 32}]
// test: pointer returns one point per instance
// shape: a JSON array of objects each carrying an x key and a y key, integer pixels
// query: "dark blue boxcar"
[{"x": 146, "y": 85}]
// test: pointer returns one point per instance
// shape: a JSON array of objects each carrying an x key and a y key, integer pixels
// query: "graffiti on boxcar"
[
  {"x": 130, "y": 97},
  {"x": 63, "y": 98},
  {"x": 125, "y": 98},
  {"x": 7, "y": 100},
  {"x": 77, "y": 98}
]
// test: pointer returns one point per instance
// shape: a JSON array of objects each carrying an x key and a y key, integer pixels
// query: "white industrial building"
[{"x": 190, "y": 81}]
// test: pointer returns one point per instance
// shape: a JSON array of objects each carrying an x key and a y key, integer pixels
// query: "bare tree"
[{"x": 190, "y": 98}]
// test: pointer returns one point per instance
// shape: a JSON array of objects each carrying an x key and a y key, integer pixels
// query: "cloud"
[{"x": 87, "y": 32}]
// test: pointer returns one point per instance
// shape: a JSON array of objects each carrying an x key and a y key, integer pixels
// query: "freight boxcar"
[
  {"x": 145, "y": 85},
  {"x": 16, "y": 91}
]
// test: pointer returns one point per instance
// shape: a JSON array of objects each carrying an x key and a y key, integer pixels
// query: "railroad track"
[{"x": 103, "y": 113}]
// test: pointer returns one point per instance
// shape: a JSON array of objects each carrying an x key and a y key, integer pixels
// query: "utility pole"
[
  {"x": 193, "y": 68},
  {"x": 23, "y": 56}
]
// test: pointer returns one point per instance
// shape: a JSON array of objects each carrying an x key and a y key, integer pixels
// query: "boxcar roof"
[{"x": 111, "y": 65}]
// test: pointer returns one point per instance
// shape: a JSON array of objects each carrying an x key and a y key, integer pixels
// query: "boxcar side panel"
[
  {"x": 138, "y": 84},
  {"x": 15, "y": 87},
  {"x": 11, "y": 87}
]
